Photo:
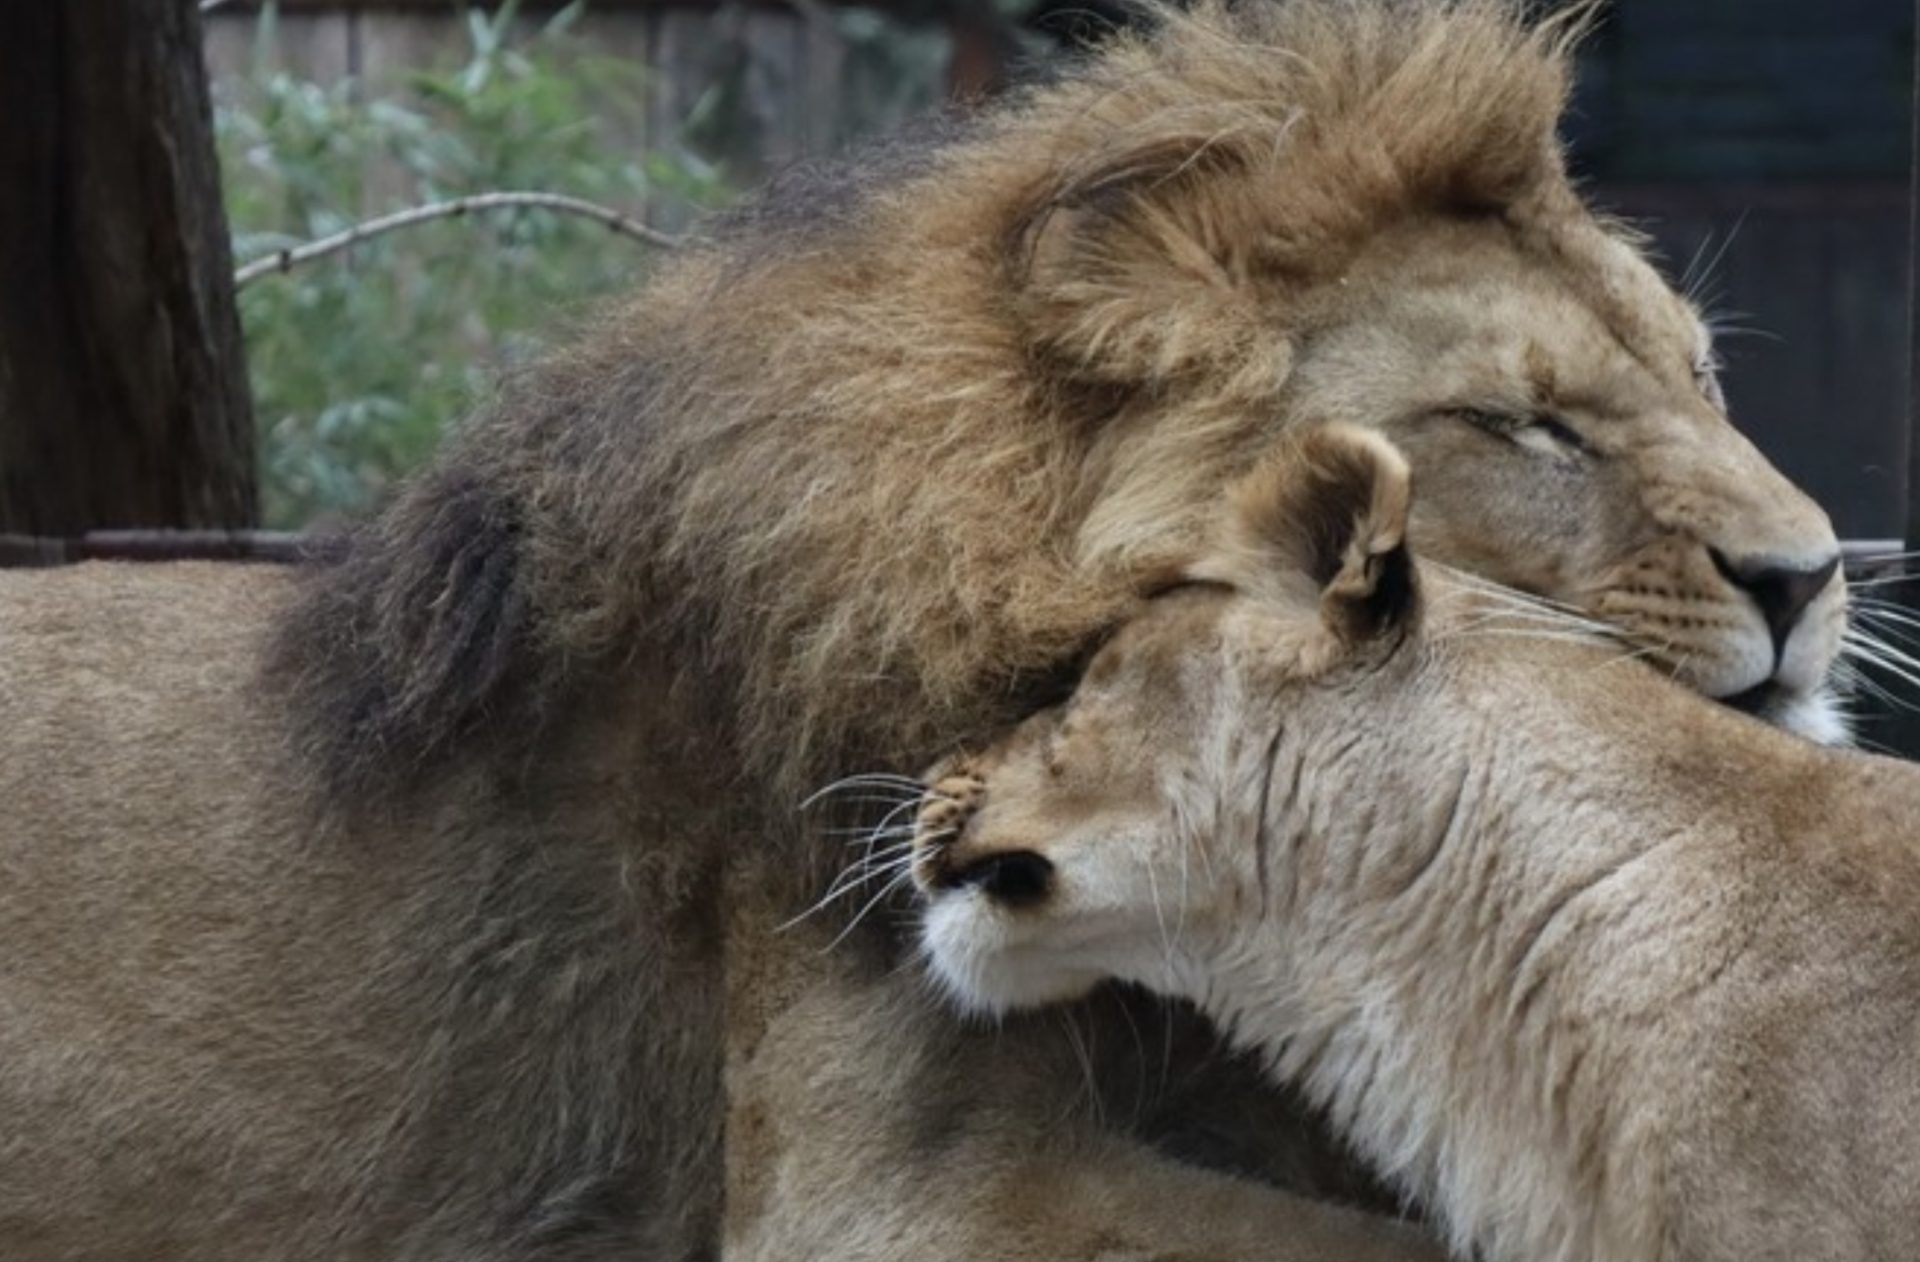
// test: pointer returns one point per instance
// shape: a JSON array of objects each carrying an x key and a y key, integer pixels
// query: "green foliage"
[{"x": 358, "y": 362}]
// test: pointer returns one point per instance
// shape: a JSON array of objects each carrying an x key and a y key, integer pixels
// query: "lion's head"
[
  {"x": 1378, "y": 229},
  {"x": 873, "y": 464}
]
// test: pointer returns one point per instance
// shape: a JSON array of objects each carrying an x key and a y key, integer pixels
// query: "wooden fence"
[{"x": 792, "y": 62}]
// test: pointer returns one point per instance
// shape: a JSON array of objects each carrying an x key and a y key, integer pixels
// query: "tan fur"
[
  {"x": 1595, "y": 971},
  {"x": 863, "y": 475}
]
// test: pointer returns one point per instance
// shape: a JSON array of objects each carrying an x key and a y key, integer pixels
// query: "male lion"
[
  {"x": 423, "y": 904},
  {"x": 1596, "y": 971}
]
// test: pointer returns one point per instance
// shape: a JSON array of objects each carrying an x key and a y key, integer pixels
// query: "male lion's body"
[
  {"x": 855, "y": 480},
  {"x": 232, "y": 1032}
]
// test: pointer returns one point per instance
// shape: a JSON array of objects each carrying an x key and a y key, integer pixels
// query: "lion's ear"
[
  {"x": 1130, "y": 271},
  {"x": 1323, "y": 521}
]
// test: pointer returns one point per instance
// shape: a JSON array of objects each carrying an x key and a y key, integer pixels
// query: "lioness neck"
[{"x": 1531, "y": 997}]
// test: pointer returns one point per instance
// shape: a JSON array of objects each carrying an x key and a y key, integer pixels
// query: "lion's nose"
[
  {"x": 1018, "y": 878},
  {"x": 1781, "y": 592}
]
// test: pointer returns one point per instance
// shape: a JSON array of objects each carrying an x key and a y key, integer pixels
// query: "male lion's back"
[
  {"x": 156, "y": 1096},
  {"x": 123, "y": 702}
]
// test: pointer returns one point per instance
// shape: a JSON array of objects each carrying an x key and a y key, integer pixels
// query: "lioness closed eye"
[{"x": 1591, "y": 969}]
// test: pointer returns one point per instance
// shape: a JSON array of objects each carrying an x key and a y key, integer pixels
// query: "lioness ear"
[
  {"x": 1129, "y": 269},
  {"x": 1323, "y": 520}
]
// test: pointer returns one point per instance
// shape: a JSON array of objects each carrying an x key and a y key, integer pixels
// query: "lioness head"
[
  {"x": 1556, "y": 945},
  {"x": 1271, "y": 753},
  {"x": 1104, "y": 834}
]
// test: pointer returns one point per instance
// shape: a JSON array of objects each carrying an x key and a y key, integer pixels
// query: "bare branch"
[
  {"x": 25, "y": 551},
  {"x": 287, "y": 259}
]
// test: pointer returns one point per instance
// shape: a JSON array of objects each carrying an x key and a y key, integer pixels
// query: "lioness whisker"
[
  {"x": 850, "y": 879},
  {"x": 904, "y": 875},
  {"x": 857, "y": 833},
  {"x": 867, "y": 780},
  {"x": 861, "y": 830},
  {"x": 1083, "y": 1054},
  {"x": 870, "y": 835},
  {"x": 886, "y": 854},
  {"x": 1160, "y": 916},
  {"x": 828, "y": 901},
  {"x": 896, "y": 860}
]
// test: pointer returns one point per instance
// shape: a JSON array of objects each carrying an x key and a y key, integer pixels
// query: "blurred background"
[{"x": 1765, "y": 145}]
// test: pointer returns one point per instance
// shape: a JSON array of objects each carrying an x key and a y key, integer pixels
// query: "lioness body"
[
  {"x": 861, "y": 475},
  {"x": 1596, "y": 972}
]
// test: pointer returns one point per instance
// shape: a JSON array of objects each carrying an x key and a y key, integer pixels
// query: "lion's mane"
[{"x": 870, "y": 462}]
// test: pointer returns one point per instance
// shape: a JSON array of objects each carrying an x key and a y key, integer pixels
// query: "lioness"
[
  {"x": 423, "y": 903},
  {"x": 1597, "y": 972}
]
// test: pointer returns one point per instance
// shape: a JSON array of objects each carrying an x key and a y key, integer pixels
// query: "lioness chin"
[{"x": 1595, "y": 971}]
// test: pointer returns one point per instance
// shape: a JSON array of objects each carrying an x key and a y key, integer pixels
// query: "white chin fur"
[
  {"x": 966, "y": 943},
  {"x": 1815, "y": 715}
]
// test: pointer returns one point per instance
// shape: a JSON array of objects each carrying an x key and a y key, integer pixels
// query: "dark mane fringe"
[
  {"x": 419, "y": 631},
  {"x": 422, "y": 627}
]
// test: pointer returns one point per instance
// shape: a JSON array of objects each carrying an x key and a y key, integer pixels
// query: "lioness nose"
[
  {"x": 1781, "y": 592},
  {"x": 1015, "y": 877}
]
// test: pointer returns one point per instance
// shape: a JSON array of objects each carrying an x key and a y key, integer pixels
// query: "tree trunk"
[{"x": 123, "y": 398}]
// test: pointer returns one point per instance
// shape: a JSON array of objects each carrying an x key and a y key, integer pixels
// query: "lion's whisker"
[
  {"x": 1853, "y": 680},
  {"x": 1893, "y": 621},
  {"x": 1881, "y": 655},
  {"x": 1630, "y": 655},
  {"x": 1882, "y": 580}
]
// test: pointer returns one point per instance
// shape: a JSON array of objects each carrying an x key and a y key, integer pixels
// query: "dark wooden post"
[
  {"x": 1897, "y": 728},
  {"x": 1913, "y": 310},
  {"x": 123, "y": 398}
]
